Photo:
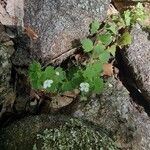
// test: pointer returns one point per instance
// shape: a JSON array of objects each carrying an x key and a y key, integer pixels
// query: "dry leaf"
[
  {"x": 60, "y": 101},
  {"x": 71, "y": 94},
  {"x": 31, "y": 33},
  {"x": 34, "y": 95},
  {"x": 123, "y": 4},
  {"x": 108, "y": 69},
  {"x": 112, "y": 10}
]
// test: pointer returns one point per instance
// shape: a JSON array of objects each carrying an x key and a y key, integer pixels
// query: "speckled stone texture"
[
  {"x": 137, "y": 59},
  {"x": 60, "y": 24},
  {"x": 116, "y": 112},
  {"x": 22, "y": 135},
  {"x": 6, "y": 51}
]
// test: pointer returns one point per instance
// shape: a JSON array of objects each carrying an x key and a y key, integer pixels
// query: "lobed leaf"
[
  {"x": 99, "y": 48},
  {"x": 112, "y": 49},
  {"x": 127, "y": 17},
  {"x": 125, "y": 39},
  {"x": 94, "y": 27},
  {"x": 87, "y": 45},
  {"x": 104, "y": 57},
  {"x": 106, "y": 38}
]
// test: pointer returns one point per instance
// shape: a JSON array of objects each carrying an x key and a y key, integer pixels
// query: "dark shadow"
[{"x": 124, "y": 75}]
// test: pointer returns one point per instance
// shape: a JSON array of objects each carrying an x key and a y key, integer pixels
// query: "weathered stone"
[
  {"x": 6, "y": 50},
  {"x": 59, "y": 25},
  {"x": 54, "y": 132},
  {"x": 3, "y": 36},
  {"x": 11, "y": 12},
  {"x": 116, "y": 112},
  {"x": 137, "y": 59},
  {"x": 7, "y": 93}
]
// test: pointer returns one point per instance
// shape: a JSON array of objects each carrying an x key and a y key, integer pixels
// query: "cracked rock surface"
[
  {"x": 137, "y": 60},
  {"x": 59, "y": 25},
  {"x": 117, "y": 113}
]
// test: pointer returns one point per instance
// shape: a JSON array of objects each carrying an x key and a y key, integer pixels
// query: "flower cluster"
[
  {"x": 84, "y": 87},
  {"x": 57, "y": 73},
  {"x": 47, "y": 83}
]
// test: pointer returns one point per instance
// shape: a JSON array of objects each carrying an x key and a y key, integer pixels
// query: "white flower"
[
  {"x": 84, "y": 86},
  {"x": 47, "y": 83},
  {"x": 110, "y": 85},
  {"x": 57, "y": 73}
]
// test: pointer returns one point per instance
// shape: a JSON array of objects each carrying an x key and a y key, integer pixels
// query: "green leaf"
[
  {"x": 106, "y": 38},
  {"x": 70, "y": 73},
  {"x": 138, "y": 14},
  {"x": 125, "y": 39},
  {"x": 87, "y": 45},
  {"x": 74, "y": 83},
  {"x": 35, "y": 66},
  {"x": 112, "y": 27},
  {"x": 94, "y": 27},
  {"x": 77, "y": 79},
  {"x": 118, "y": 21},
  {"x": 49, "y": 72},
  {"x": 35, "y": 75},
  {"x": 36, "y": 84},
  {"x": 127, "y": 17},
  {"x": 60, "y": 74},
  {"x": 98, "y": 85},
  {"x": 42, "y": 77},
  {"x": 99, "y": 48},
  {"x": 104, "y": 57},
  {"x": 93, "y": 70},
  {"x": 53, "y": 88},
  {"x": 112, "y": 49},
  {"x": 67, "y": 86}
]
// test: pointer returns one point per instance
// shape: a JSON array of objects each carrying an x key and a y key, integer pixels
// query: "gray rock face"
[
  {"x": 116, "y": 112},
  {"x": 137, "y": 58},
  {"x": 60, "y": 24}
]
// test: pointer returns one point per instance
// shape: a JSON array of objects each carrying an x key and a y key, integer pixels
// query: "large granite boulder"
[
  {"x": 137, "y": 60},
  {"x": 115, "y": 110},
  {"x": 54, "y": 133},
  {"x": 59, "y": 25}
]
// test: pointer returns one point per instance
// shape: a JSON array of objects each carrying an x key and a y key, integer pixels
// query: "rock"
[
  {"x": 59, "y": 25},
  {"x": 5, "y": 64},
  {"x": 116, "y": 112},
  {"x": 3, "y": 36},
  {"x": 11, "y": 12},
  {"x": 6, "y": 51},
  {"x": 137, "y": 60},
  {"x": 54, "y": 132}
]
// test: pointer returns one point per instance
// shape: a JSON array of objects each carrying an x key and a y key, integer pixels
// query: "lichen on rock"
[
  {"x": 115, "y": 110},
  {"x": 55, "y": 132},
  {"x": 74, "y": 134}
]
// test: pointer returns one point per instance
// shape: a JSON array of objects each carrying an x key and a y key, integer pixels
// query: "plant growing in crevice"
[{"x": 100, "y": 48}]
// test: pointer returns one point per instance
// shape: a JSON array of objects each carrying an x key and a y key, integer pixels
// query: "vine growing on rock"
[{"x": 97, "y": 50}]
